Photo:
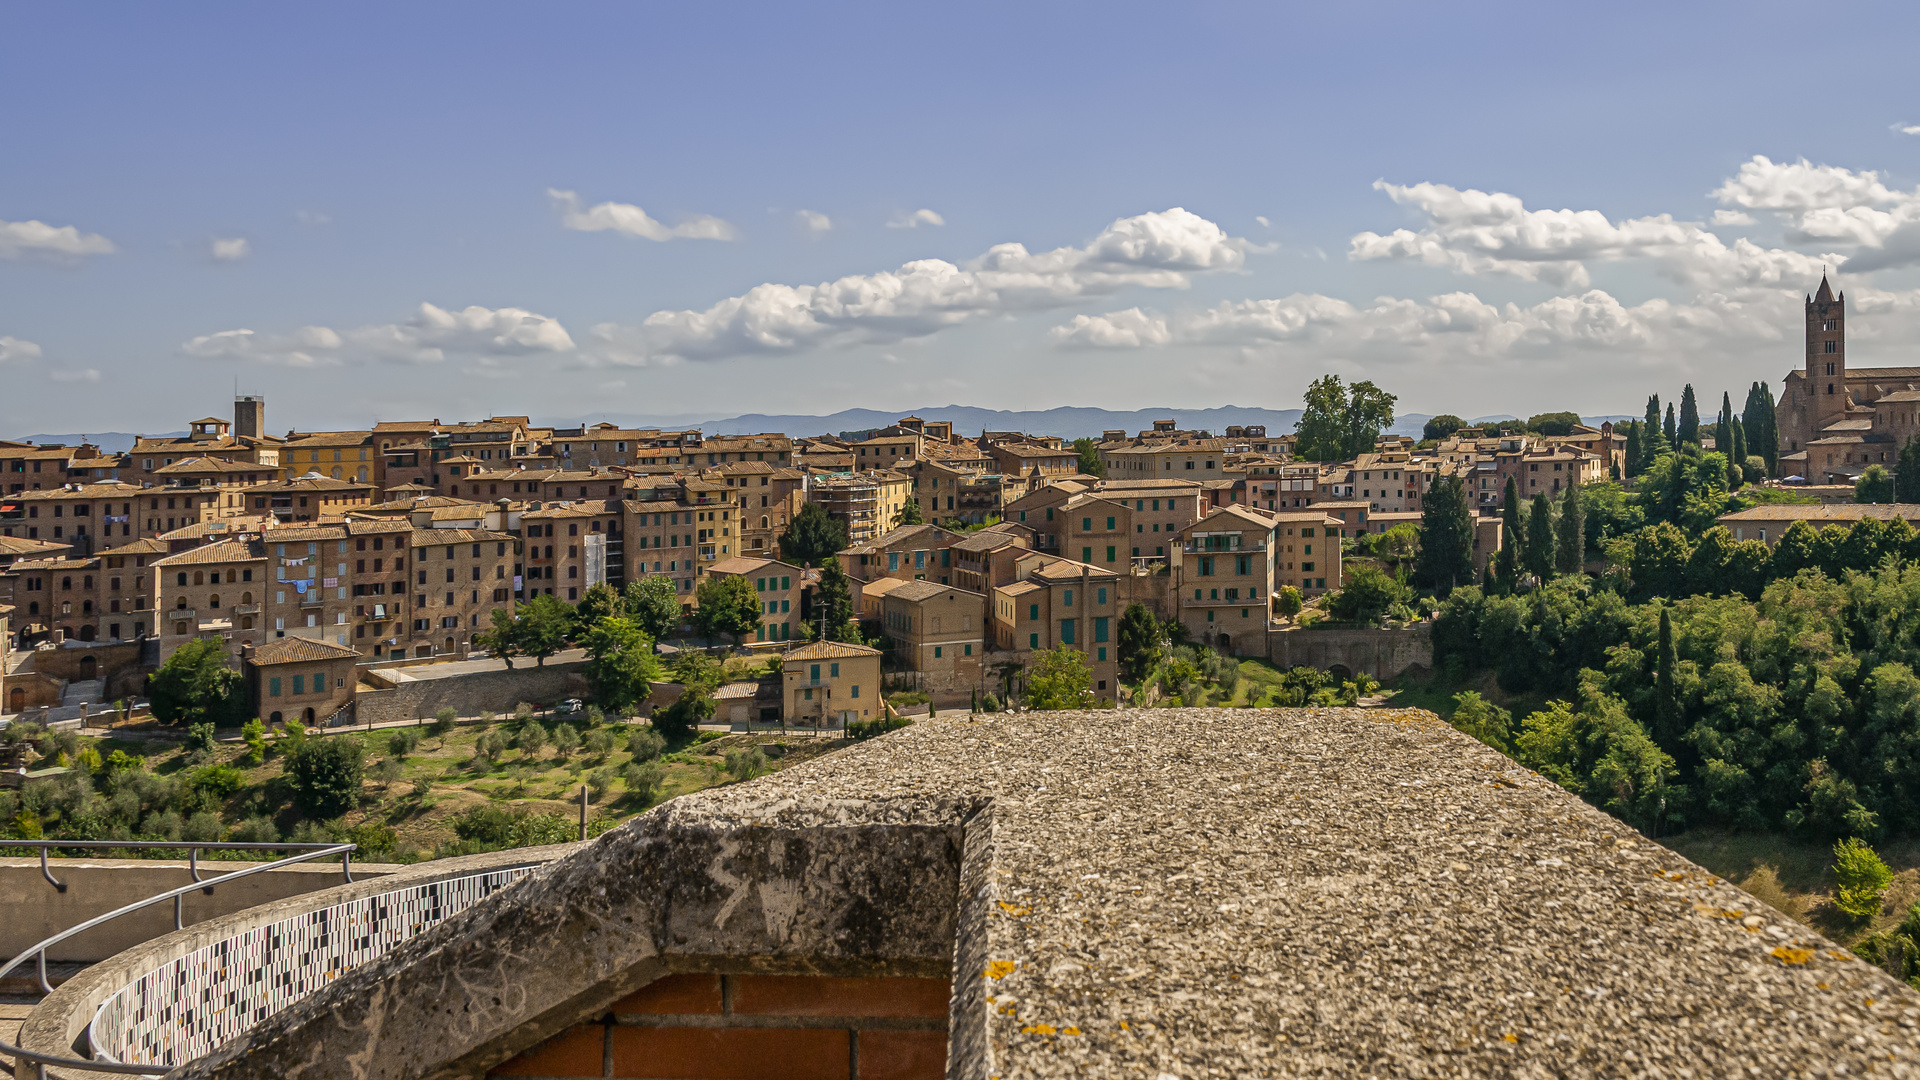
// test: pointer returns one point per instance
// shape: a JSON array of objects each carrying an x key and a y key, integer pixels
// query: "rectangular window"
[
  {"x": 833, "y": 671},
  {"x": 969, "y": 650},
  {"x": 936, "y": 652},
  {"x": 1033, "y": 612},
  {"x": 1109, "y": 552},
  {"x": 1100, "y": 595},
  {"x": 1102, "y": 657},
  {"x": 1100, "y": 628},
  {"x": 856, "y": 691},
  {"x": 273, "y": 687},
  {"x": 813, "y": 673},
  {"x": 1033, "y": 641},
  {"x": 1066, "y": 631},
  {"x": 920, "y": 560},
  {"x": 1069, "y": 597},
  {"x": 893, "y": 560},
  {"x": 1086, "y": 524},
  {"x": 299, "y": 684}
]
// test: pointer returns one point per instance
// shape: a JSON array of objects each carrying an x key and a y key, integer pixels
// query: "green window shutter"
[
  {"x": 273, "y": 687},
  {"x": 786, "y": 583},
  {"x": 1086, "y": 524},
  {"x": 299, "y": 684},
  {"x": 814, "y": 673},
  {"x": 835, "y": 673},
  {"x": 1109, "y": 524},
  {"x": 1109, "y": 552},
  {"x": 1033, "y": 641},
  {"x": 1086, "y": 554}
]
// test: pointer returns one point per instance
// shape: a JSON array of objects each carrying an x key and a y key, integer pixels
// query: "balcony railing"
[{"x": 181, "y": 614}]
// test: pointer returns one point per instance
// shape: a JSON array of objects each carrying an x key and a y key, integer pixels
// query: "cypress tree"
[
  {"x": 1570, "y": 548},
  {"x": 1512, "y": 542},
  {"x": 1540, "y": 545},
  {"x": 1906, "y": 475},
  {"x": 1740, "y": 450},
  {"x": 1689, "y": 430},
  {"x": 1671, "y": 429},
  {"x": 1653, "y": 413},
  {"x": 1770, "y": 432},
  {"x": 1723, "y": 428},
  {"x": 1446, "y": 537},
  {"x": 1633, "y": 448}
]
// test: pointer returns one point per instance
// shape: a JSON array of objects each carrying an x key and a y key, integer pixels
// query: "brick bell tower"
[{"x": 1826, "y": 358}]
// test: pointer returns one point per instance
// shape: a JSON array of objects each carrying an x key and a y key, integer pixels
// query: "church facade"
[{"x": 1834, "y": 422}]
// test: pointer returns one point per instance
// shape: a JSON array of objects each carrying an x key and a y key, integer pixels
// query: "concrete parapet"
[{"x": 1169, "y": 892}]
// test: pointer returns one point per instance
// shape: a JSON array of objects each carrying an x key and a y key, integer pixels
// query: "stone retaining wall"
[
  {"x": 1383, "y": 654},
  {"x": 468, "y": 695}
]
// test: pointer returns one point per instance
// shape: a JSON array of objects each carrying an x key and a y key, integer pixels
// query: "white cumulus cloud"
[
  {"x": 1155, "y": 250},
  {"x": 12, "y": 348},
  {"x": 632, "y": 221},
  {"x": 230, "y": 250},
  {"x": 22, "y": 239},
  {"x": 813, "y": 221},
  {"x": 1478, "y": 232},
  {"x": 1732, "y": 217},
  {"x": 915, "y": 219},
  {"x": 487, "y": 334},
  {"x": 1828, "y": 204}
]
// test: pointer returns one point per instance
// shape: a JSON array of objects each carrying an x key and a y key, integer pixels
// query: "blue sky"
[{"x": 387, "y": 211}]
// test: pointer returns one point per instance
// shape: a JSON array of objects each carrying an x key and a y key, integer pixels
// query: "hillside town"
[{"x": 965, "y": 556}]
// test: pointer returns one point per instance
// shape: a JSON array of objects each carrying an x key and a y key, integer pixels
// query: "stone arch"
[
  {"x": 307, "y": 716},
  {"x": 1340, "y": 672},
  {"x": 89, "y": 668},
  {"x": 17, "y": 700}
]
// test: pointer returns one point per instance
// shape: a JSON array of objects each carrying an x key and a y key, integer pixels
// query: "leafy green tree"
[
  {"x": 1570, "y": 533},
  {"x": 910, "y": 513},
  {"x": 620, "y": 662},
  {"x": 1483, "y": 720},
  {"x": 1287, "y": 600},
  {"x": 1059, "y": 678},
  {"x": 542, "y": 627},
  {"x": 1140, "y": 643},
  {"x": 1366, "y": 595},
  {"x": 1874, "y": 486},
  {"x": 1539, "y": 553},
  {"x": 195, "y": 686},
  {"x": 1339, "y": 423},
  {"x": 727, "y": 604},
  {"x": 1440, "y": 427},
  {"x": 326, "y": 775},
  {"x": 1445, "y": 557},
  {"x": 502, "y": 639},
  {"x": 1513, "y": 544},
  {"x": 598, "y": 602},
  {"x": 654, "y": 606},
  {"x": 1089, "y": 451},
  {"x": 1862, "y": 876},
  {"x": 834, "y": 597},
  {"x": 1906, "y": 477},
  {"x": 1553, "y": 423},
  {"x": 812, "y": 537}
]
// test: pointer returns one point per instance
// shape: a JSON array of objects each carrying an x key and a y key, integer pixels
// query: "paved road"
[{"x": 471, "y": 667}]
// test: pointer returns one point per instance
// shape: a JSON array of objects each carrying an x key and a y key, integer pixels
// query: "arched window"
[
  {"x": 86, "y": 607},
  {"x": 246, "y": 598},
  {"x": 33, "y": 608},
  {"x": 66, "y": 584},
  {"x": 246, "y": 622},
  {"x": 213, "y": 601},
  {"x": 181, "y": 579},
  {"x": 199, "y": 578},
  {"x": 231, "y": 575}
]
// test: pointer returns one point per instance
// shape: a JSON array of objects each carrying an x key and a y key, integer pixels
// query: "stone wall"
[
  {"x": 1383, "y": 654},
  {"x": 496, "y": 691}
]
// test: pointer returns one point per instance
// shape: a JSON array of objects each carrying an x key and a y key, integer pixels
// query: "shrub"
[
  {"x": 422, "y": 787},
  {"x": 200, "y": 739},
  {"x": 372, "y": 840},
  {"x": 325, "y": 775},
  {"x": 746, "y": 764},
  {"x": 257, "y": 830},
  {"x": 216, "y": 781},
  {"x": 645, "y": 744},
  {"x": 402, "y": 742},
  {"x": 1862, "y": 877},
  {"x": 644, "y": 779},
  {"x": 531, "y": 739},
  {"x": 293, "y": 736},
  {"x": 595, "y": 716},
  {"x": 597, "y": 742},
  {"x": 387, "y": 771},
  {"x": 443, "y": 720},
  {"x": 565, "y": 740},
  {"x": 598, "y": 781},
  {"x": 989, "y": 703},
  {"x": 204, "y": 825},
  {"x": 1483, "y": 720},
  {"x": 255, "y": 734}
]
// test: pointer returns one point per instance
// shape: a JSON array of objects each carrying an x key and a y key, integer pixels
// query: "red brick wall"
[{"x": 756, "y": 1027}]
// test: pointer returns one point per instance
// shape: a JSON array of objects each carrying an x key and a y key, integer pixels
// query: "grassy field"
[{"x": 424, "y": 790}]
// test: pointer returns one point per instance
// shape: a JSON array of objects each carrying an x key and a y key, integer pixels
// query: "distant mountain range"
[
  {"x": 1065, "y": 422},
  {"x": 109, "y": 442}
]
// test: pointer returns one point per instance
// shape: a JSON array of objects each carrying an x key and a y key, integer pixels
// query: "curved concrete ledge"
[
  {"x": 58, "y": 1022},
  {"x": 1174, "y": 893}
]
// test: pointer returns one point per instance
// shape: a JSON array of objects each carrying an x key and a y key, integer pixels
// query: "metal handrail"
[{"x": 22, "y": 1056}]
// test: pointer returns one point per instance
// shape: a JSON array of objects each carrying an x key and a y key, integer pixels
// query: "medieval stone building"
[{"x": 1834, "y": 422}]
